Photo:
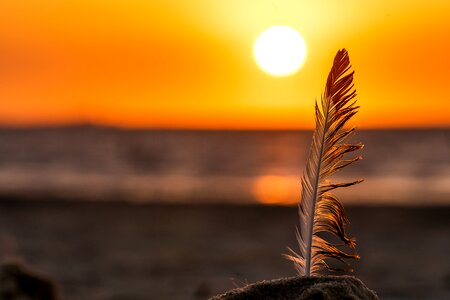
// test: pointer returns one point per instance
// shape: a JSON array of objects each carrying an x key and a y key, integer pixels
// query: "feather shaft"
[{"x": 315, "y": 189}]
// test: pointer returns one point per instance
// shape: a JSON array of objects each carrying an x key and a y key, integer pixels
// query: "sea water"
[{"x": 104, "y": 164}]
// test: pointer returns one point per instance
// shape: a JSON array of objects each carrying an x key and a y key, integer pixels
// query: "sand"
[
  {"x": 18, "y": 282},
  {"x": 118, "y": 251},
  {"x": 304, "y": 288}
]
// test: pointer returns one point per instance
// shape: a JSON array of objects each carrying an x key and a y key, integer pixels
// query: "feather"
[{"x": 319, "y": 210}]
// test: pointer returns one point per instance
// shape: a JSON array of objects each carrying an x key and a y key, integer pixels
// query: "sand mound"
[
  {"x": 297, "y": 288},
  {"x": 18, "y": 282}
]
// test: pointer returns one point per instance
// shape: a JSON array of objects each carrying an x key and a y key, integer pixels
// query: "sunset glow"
[{"x": 188, "y": 64}]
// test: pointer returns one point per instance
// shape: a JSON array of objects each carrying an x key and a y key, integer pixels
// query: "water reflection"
[{"x": 272, "y": 189}]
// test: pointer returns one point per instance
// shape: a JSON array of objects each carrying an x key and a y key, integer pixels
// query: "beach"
[
  {"x": 117, "y": 250},
  {"x": 164, "y": 150},
  {"x": 115, "y": 214}
]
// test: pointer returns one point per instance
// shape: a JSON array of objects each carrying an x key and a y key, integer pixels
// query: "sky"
[{"x": 188, "y": 63}]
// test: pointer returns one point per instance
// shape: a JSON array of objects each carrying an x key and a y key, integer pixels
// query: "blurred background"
[{"x": 144, "y": 154}]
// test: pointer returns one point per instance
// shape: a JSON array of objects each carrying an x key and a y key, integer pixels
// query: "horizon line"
[{"x": 187, "y": 128}]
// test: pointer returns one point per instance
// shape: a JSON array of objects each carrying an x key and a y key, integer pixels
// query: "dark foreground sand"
[
  {"x": 122, "y": 251},
  {"x": 303, "y": 288}
]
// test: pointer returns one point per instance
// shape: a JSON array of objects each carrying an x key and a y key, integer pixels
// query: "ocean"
[{"x": 410, "y": 167}]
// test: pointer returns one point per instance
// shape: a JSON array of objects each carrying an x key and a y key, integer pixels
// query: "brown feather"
[{"x": 319, "y": 210}]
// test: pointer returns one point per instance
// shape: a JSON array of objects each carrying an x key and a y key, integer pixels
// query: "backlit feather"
[{"x": 319, "y": 209}]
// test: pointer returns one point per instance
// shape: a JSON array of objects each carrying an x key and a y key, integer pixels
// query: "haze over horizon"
[{"x": 94, "y": 126}]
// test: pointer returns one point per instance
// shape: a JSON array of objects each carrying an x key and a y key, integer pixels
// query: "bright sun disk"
[{"x": 280, "y": 50}]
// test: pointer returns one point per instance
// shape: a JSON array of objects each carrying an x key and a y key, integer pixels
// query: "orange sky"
[{"x": 189, "y": 64}]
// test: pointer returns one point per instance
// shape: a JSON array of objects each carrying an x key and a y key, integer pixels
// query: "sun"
[{"x": 280, "y": 50}]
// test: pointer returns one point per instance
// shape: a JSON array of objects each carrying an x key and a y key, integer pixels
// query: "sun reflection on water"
[{"x": 276, "y": 190}]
